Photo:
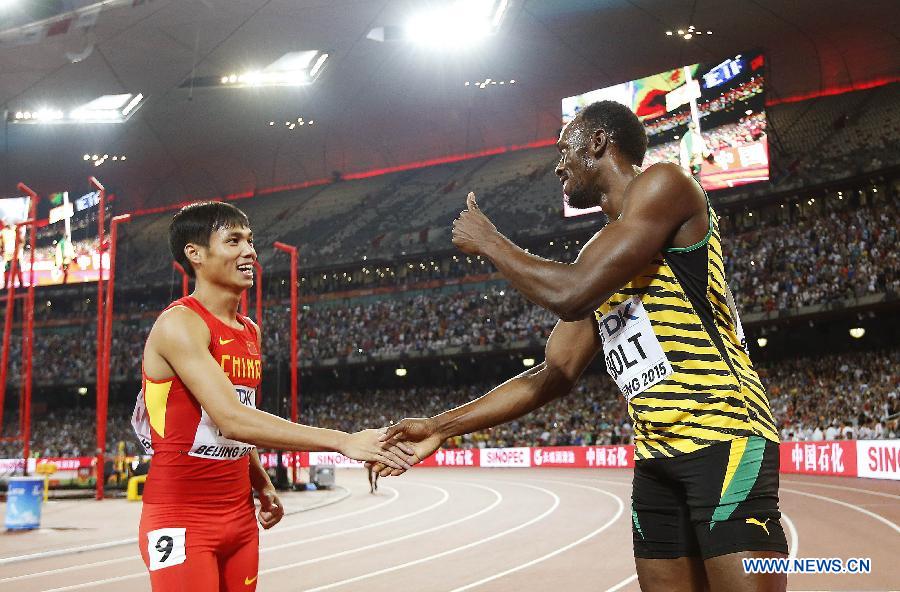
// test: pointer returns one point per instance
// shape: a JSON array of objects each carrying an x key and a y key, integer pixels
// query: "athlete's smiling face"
[
  {"x": 228, "y": 260},
  {"x": 577, "y": 167}
]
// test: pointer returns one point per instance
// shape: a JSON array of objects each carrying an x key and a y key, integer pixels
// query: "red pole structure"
[
  {"x": 184, "y": 278},
  {"x": 8, "y": 321},
  {"x": 28, "y": 333},
  {"x": 101, "y": 224},
  {"x": 103, "y": 392},
  {"x": 244, "y": 303},
  {"x": 295, "y": 376}
]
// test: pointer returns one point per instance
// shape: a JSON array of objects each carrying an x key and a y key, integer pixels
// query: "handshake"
[{"x": 394, "y": 450}]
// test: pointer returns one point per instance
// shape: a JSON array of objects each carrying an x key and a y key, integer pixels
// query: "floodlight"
[{"x": 456, "y": 24}]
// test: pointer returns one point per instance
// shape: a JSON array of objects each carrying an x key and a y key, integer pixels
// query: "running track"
[{"x": 465, "y": 529}]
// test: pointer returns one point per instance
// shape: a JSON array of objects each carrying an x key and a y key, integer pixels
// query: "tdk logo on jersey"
[
  {"x": 247, "y": 397},
  {"x": 615, "y": 321}
]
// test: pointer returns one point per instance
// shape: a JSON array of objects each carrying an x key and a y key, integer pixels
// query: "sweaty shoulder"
[
  {"x": 178, "y": 326},
  {"x": 667, "y": 202},
  {"x": 668, "y": 183}
]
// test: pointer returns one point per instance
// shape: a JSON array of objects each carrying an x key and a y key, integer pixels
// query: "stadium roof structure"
[{"x": 376, "y": 104}]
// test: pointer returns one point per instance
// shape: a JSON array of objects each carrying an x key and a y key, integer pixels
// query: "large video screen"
[
  {"x": 66, "y": 252},
  {"x": 709, "y": 118}
]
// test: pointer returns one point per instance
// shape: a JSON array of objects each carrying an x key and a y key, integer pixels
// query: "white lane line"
[
  {"x": 100, "y": 582},
  {"x": 795, "y": 538},
  {"x": 68, "y": 551},
  {"x": 345, "y": 493},
  {"x": 853, "y": 489},
  {"x": 792, "y": 553},
  {"x": 498, "y": 498},
  {"x": 389, "y": 501},
  {"x": 440, "y": 502},
  {"x": 623, "y": 583},
  {"x": 559, "y": 550},
  {"x": 134, "y": 540},
  {"x": 878, "y": 517},
  {"x": 144, "y": 573},
  {"x": 393, "y": 498},
  {"x": 541, "y": 516}
]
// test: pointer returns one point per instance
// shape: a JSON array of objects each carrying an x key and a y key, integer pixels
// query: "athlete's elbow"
[
  {"x": 231, "y": 426},
  {"x": 552, "y": 382},
  {"x": 580, "y": 301},
  {"x": 560, "y": 304},
  {"x": 572, "y": 307},
  {"x": 569, "y": 315}
]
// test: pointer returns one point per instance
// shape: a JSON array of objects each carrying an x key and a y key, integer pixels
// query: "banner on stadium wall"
[
  {"x": 878, "y": 459},
  {"x": 77, "y": 471},
  {"x": 454, "y": 457},
  {"x": 575, "y": 457},
  {"x": 819, "y": 458}
]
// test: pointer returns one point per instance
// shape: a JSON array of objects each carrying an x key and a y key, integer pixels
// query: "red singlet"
[{"x": 198, "y": 510}]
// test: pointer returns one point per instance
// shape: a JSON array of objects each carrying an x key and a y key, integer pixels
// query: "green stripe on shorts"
[{"x": 744, "y": 479}]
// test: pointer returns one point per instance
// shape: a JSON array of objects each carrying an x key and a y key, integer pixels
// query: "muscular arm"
[
  {"x": 179, "y": 344},
  {"x": 657, "y": 204},
  {"x": 569, "y": 350}
]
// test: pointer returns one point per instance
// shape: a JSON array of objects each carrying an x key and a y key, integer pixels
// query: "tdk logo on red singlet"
[{"x": 615, "y": 321}]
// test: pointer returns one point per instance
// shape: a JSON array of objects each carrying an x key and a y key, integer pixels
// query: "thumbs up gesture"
[{"x": 472, "y": 230}]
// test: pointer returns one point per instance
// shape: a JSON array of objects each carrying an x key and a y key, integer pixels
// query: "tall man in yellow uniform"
[{"x": 649, "y": 291}]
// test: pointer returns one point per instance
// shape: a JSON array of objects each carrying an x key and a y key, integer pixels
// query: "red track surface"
[{"x": 467, "y": 529}]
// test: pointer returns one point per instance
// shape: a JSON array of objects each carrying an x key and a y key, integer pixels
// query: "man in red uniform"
[{"x": 197, "y": 413}]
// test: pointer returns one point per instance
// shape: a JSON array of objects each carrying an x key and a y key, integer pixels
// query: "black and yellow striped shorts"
[{"x": 721, "y": 499}]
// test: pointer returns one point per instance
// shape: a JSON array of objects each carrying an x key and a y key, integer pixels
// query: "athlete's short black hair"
[
  {"x": 194, "y": 223},
  {"x": 623, "y": 126}
]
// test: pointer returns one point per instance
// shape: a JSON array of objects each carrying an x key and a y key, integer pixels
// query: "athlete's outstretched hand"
[
  {"x": 419, "y": 434},
  {"x": 370, "y": 446},
  {"x": 270, "y": 509},
  {"x": 472, "y": 230}
]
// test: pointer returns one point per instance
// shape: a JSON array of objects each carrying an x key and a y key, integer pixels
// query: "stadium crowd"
[
  {"x": 830, "y": 255},
  {"x": 836, "y": 256},
  {"x": 846, "y": 396}
]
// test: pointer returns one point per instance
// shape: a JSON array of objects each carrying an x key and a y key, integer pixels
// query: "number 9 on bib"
[{"x": 165, "y": 547}]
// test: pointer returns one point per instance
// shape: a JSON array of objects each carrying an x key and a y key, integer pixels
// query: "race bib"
[
  {"x": 140, "y": 422},
  {"x": 209, "y": 441},
  {"x": 165, "y": 546},
  {"x": 632, "y": 352}
]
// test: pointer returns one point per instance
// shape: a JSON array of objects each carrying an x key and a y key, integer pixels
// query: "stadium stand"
[{"x": 833, "y": 244}]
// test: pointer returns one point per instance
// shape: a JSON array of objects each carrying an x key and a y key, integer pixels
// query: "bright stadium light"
[
  {"x": 296, "y": 68},
  {"x": 857, "y": 332},
  {"x": 401, "y": 372},
  {"x": 103, "y": 109},
  {"x": 456, "y": 24},
  {"x": 762, "y": 342},
  {"x": 528, "y": 362}
]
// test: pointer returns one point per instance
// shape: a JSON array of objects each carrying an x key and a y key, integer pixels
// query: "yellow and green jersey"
[{"x": 675, "y": 348}]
